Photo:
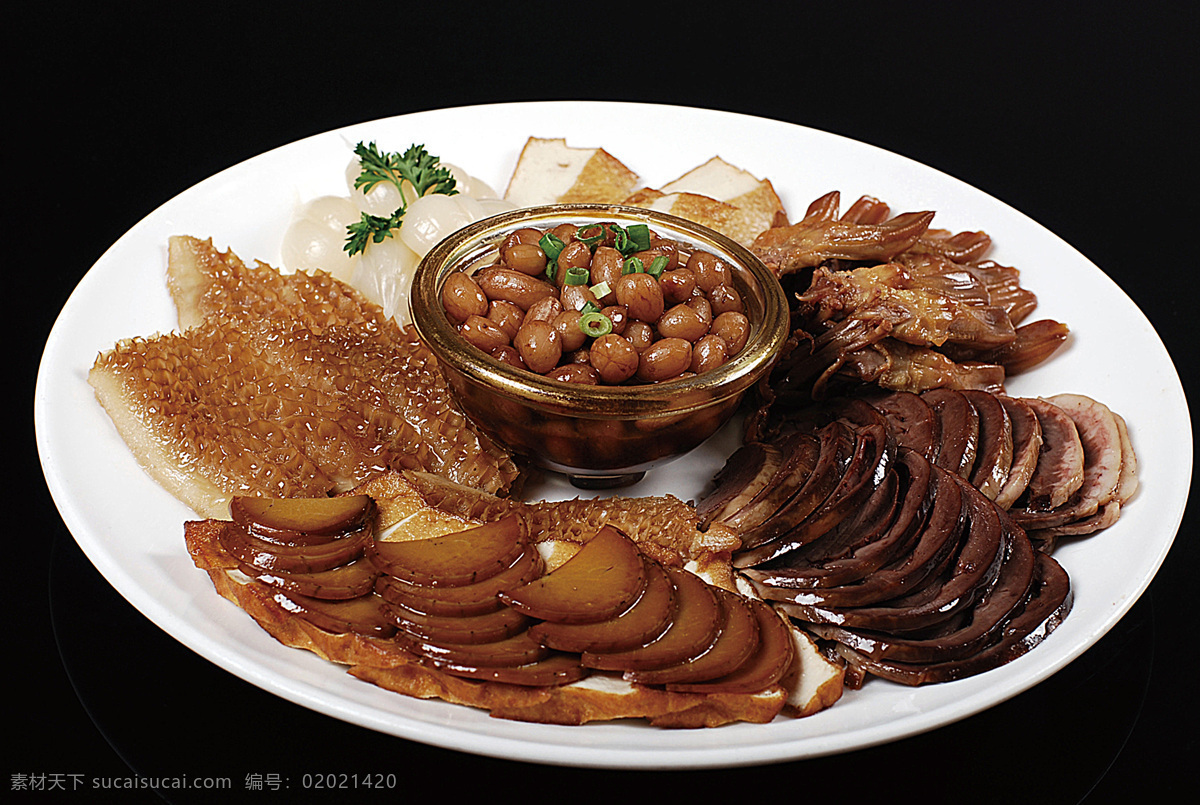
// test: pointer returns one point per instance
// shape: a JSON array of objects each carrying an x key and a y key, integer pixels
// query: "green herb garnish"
[{"x": 416, "y": 166}]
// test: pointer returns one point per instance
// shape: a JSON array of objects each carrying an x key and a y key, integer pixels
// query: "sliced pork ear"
[
  {"x": 1027, "y": 446},
  {"x": 960, "y": 430},
  {"x": 1100, "y": 437},
  {"x": 1059, "y": 471},
  {"x": 993, "y": 458}
]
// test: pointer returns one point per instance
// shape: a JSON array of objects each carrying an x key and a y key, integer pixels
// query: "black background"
[{"x": 1083, "y": 118}]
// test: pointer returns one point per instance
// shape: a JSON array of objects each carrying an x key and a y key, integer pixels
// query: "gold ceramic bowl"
[{"x": 596, "y": 435}]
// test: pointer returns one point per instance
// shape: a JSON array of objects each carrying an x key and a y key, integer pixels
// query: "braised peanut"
[
  {"x": 483, "y": 333},
  {"x": 664, "y": 360},
  {"x": 462, "y": 297},
  {"x": 567, "y": 324},
  {"x": 708, "y": 353},
  {"x": 640, "y": 295},
  {"x": 546, "y": 309},
  {"x": 528, "y": 258},
  {"x": 724, "y": 299},
  {"x": 509, "y": 355},
  {"x": 616, "y": 310},
  {"x": 640, "y": 334},
  {"x": 575, "y": 373},
  {"x": 709, "y": 269},
  {"x": 683, "y": 322},
  {"x": 678, "y": 285},
  {"x": 606, "y": 268},
  {"x": 513, "y": 286},
  {"x": 506, "y": 316},
  {"x": 614, "y": 358},
  {"x": 734, "y": 330},
  {"x": 539, "y": 345}
]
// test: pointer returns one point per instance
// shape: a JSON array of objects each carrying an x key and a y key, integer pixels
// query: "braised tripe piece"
[{"x": 282, "y": 385}]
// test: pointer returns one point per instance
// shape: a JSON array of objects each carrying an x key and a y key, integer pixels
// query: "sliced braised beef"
[
  {"x": 1048, "y": 603},
  {"x": 747, "y": 472},
  {"x": 993, "y": 458},
  {"x": 796, "y": 571},
  {"x": 865, "y": 468},
  {"x": 803, "y": 490},
  {"x": 962, "y": 636},
  {"x": 801, "y": 461},
  {"x": 960, "y": 430},
  {"x": 916, "y": 544},
  {"x": 912, "y": 420},
  {"x": 1027, "y": 445},
  {"x": 934, "y": 550}
]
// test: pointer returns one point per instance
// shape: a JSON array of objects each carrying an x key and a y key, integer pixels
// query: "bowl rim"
[{"x": 467, "y": 245}]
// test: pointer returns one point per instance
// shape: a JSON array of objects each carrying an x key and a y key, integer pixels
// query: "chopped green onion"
[
  {"x": 620, "y": 238},
  {"x": 577, "y": 275},
  {"x": 639, "y": 236},
  {"x": 552, "y": 245},
  {"x": 600, "y": 290},
  {"x": 632, "y": 266},
  {"x": 551, "y": 270},
  {"x": 590, "y": 240},
  {"x": 595, "y": 325},
  {"x": 657, "y": 265},
  {"x": 589, "y": 307}
]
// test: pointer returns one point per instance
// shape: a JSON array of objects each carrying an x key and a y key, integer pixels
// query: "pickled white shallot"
[{"x": 316, "y": 238}]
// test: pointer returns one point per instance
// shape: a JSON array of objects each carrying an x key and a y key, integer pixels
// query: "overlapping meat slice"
[
  {"x": 929, "y": 580},
  {"x": 1027, "y": 446},
  {"x": 285, "y": 385},
  {"x": 1107, "y": 477}
]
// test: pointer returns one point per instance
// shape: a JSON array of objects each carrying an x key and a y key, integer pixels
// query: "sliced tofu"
[
  {"x": 720, "y": 196},
  {"x": 551, "y": 172}
]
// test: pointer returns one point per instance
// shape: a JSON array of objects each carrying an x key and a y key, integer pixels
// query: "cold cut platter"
[{"x": 129, "y": 526}]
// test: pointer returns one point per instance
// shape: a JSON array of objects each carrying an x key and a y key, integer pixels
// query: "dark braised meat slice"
[
  {"x": 802, "y": 569},
  {"x": 806, "y": 461},
  {"x": 960, "y": 637},
  {"x": 993, "y": 458},
  {"x": 960, "y": 430},
  {"x": 1044, "y": 608},
  {"x": 1027, "y": 445},
  {"x": 865, "y": 468},
  {"x": 819, "y": 464},
  {"x": 746, "y": 473},
  {"x": 912, "y": 419}
]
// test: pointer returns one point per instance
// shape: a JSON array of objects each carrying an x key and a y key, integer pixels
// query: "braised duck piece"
[{"x": 821, "y": 235}]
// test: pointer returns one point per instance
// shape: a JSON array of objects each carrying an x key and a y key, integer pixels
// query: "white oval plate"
[{"x": 132, "y": 530}]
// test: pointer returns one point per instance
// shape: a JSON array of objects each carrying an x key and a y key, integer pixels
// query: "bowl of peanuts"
[{"x": 598, "y": 340}]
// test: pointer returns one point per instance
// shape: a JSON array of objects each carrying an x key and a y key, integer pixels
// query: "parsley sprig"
[{"x": 416, "y": 166}]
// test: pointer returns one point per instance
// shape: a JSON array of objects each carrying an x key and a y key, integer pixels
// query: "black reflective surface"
[{"x": 1081, "y": 122}]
